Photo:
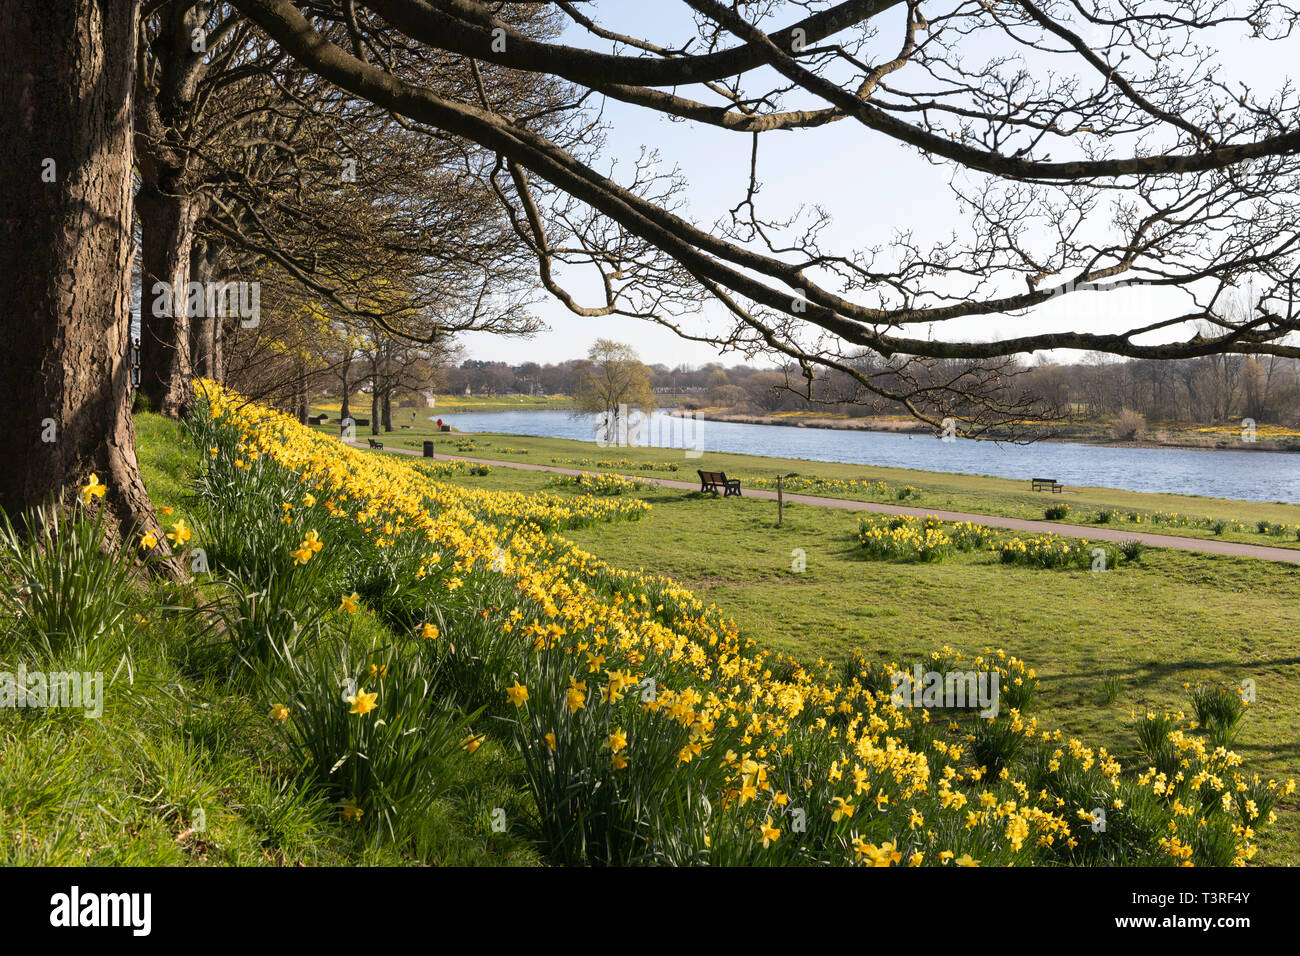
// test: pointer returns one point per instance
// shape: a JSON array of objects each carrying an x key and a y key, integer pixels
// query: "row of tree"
[
  {"x": 409, "y": 169},
  {"x": 370, "y": 241}
]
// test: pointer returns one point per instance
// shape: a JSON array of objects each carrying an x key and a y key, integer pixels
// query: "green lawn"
[{"x": 1173, "y": 619}]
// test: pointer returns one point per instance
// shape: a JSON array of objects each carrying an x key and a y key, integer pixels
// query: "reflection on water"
[{"x": 1254, "y": 476}]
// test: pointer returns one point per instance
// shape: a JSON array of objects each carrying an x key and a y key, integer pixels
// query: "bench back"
[
  {"x": 1050, "y": 481},
  {"x": 711, "y": 476}
]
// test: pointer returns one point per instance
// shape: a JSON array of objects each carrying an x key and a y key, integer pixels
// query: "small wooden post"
[{"x": 780, "y": 497}]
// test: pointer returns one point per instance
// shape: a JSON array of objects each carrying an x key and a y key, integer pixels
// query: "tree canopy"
[{"x": 1168, "y": 177}]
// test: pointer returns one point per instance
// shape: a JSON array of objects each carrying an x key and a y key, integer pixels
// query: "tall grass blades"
[
  {"x": 63, "y": 591},
  {"x": 367, "y": 731}
]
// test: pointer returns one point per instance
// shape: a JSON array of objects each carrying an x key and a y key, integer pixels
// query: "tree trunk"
[
  {"x": 300, "y": 396},
  {"x": 374, "y": 409},
  {"x": 167, "y": 231},
  {"x": 219, "y": 350},
  {"x": 345, "y": 411},
  {"x": 65, "y": 254},
  {"x": 388, "y": 410},
  {"x": 205, "y": 261},
  {"x": 168, "y": 207}
]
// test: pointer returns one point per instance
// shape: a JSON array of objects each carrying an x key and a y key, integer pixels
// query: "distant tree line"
[{"x": 1212, "y": 389}]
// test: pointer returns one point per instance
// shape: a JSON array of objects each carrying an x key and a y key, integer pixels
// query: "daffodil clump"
[
  {"x": 835, "y": 487},
  {"x": 1051, "y": 551},
  {"x": 597, "y": 483},
  {"x": 904, "y": 538},
  {"x": 647, "y": 727},
  {"x": 545, "y": 511},
  {"x": 624, "y": 463},
  {"x": 445, "y": 469}
]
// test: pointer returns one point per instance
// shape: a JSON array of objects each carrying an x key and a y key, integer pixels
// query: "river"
[{"x": 1247, "y": 475}]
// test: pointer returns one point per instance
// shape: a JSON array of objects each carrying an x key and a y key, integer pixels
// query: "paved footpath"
[{"x": 1091, "y": 532}]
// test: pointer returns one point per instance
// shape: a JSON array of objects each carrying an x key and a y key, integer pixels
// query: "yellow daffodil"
[
  {"x": 92, "y": 489},
  {"x": 517, "y": 693},
  {"x": 575, "y": 697},
  {"x": 362, "y": 703}
]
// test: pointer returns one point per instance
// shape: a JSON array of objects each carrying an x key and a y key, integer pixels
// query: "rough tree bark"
[
  {"x": 167, "y": 231},
  {"x": 219, "y": 350},
  {"x": 168, "y": 211},
  {"x": 302, "y": 407},
  {"x": 205, "y": 261},
  {"x": 65, "y": 254},
  {"x": 345, "y": 411}
]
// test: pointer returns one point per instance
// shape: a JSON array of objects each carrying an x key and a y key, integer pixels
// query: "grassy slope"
[
  {"x": 939, "y": 490},
  {"x": 1177, "y": 618},
  {"x": 122, "y": 789},
  {"x": 178, "y": 738}
]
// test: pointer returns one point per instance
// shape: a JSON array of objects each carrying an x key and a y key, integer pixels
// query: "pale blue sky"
[{"x": 869, "y": 184}]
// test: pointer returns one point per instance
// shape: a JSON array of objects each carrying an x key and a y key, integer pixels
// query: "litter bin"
[{"x": 428, "y": 449}]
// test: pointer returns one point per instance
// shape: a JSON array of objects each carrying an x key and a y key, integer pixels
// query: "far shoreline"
[{"x": 830, "y": 424}]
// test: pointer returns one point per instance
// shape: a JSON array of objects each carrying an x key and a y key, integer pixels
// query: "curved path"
[{"x": 1091, "y": 532}]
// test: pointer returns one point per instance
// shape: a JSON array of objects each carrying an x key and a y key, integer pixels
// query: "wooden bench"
[
  {"x": 1051, "y": 484},
  {"x": 716, "y": 481},
  {"x": 375, "y": 443}
]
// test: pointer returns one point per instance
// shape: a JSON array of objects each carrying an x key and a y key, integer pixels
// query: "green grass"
[
  {"x": 180, "y": 734},
  {"x": 177, "y": 736},
  {"x": 166, "y": 465},
  {"x": 1133, "y": 635},
  {"x": 977, "y": 494}
]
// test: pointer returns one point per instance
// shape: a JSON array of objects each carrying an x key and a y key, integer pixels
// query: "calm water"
[{"x": 1253, "y": 476}]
